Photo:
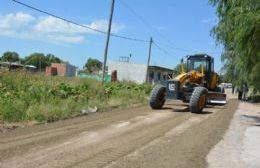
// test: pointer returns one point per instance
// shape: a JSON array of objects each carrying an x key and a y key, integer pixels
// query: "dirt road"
[{"x": 136, "y": 137}]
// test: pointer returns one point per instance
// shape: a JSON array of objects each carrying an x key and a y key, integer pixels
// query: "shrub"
[{"x": 25, "y": 96}]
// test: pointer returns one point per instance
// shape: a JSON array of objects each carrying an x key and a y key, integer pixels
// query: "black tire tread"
[
  {"x": 195, "y": 97},
  {"x": 155, "y": 93}
]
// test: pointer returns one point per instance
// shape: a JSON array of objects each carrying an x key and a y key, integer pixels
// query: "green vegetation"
[
  {"x": 93, "y": 65},
  {"x": 40, "y": 60},
  {"x": 177, "y": 68},
  {"x": 27, "y": 97},
  {"x": 238, "y": 30},
  {"x": 255, "y": 98},
  {"x": 10, "y": 57}
]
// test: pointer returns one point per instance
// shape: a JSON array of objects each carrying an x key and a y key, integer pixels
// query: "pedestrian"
[
  {"x": 233, "y": 88},
  {"x": 240, "y": 92},
  {"x": 245, "y": 91}
]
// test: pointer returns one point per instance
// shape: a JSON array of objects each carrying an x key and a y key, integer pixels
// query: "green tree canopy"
[
  {"x": 177, "y": 68},
  {"x": 93, "y": 65},
  {"x": 53, "y": 59},
  {"x": 40, "y": 60},
  {"x": 238, "y": 30},
  {"x": 10, "y": 56}
]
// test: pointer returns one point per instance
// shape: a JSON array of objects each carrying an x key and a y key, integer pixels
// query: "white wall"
[{"x": 128, "y": 71}]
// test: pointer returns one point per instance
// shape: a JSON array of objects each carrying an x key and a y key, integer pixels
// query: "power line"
[
  {"x": 162, "y": 49},
  {"x": 114, "y": 35},
  {"x": 173, "y": 47},
  {"x": 151, "y": 27},
  {"x": 169, "y": 43},
  {"x": 78, "y": 24},
  {"x": 184, "y": 50}
]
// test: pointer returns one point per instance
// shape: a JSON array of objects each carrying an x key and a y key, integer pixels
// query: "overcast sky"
[{"x": 179, "y": 27}]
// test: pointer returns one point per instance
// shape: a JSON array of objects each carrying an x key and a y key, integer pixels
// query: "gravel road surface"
[{"x": 134, "y": 137}]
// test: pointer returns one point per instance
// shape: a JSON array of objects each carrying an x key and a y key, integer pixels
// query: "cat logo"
[{"x": 171, "y": 87}]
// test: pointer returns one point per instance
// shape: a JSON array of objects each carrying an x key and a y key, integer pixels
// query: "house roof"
[
  {"x": 30, "y": 66},
  {"x": 11, "y": 64},
  {"x": 16, "y": 64},
  {"x": 159, "y": 67}
]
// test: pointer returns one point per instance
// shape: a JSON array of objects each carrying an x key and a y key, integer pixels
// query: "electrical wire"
[
  {"x": 115, "y": 35},
  {"x": 169, "y": 43},
  {"x": 162, "y": 49},
  {"x": 151, "y": 27},
  {"x": 193, "y": 51},
  {"x": 173, "y": 47},
  {"x": 78, "y": 24}
]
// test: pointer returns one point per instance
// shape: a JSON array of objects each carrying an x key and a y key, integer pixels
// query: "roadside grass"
[
  {"x": 255, "y": 98},
  {"x": 30, "y": 97}
]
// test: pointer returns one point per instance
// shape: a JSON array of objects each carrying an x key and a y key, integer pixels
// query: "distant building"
[
  {"x": 30, "y": 68},
  {"x": 127, "y": 71},
  {"x": 16, "y": 66},
  {"x": 11, "y": 65},
  {"x": 61, "y": 69},
  {"x": 159, "y": 74}
]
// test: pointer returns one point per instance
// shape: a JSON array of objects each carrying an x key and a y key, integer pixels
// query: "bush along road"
[{"x": 26, "y": 97}]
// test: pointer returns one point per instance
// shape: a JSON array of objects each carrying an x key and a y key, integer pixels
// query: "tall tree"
[
  {"x": 10, "y": 56},
  {"x": 238, "y": 30},
  {"x": 93, "y": 65},
  {"x": 40, "y": 60},
  {"x": 50, "y": 58},
  {"x": 177, "y": 70},
  {"x": 36, "y": 59}
]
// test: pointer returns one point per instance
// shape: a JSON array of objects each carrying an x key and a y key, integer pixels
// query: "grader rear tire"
[
  {"x": 198, "y": 99},
  {"x": 157, "y": 97}
]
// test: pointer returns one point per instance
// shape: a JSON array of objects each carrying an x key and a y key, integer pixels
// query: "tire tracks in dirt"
[{"x": 136, "y": 137}]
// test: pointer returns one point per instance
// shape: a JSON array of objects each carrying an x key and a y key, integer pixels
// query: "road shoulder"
[{"x": 239, "y": 147}]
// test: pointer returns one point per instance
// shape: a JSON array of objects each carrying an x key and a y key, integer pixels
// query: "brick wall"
[
  {"x": 51, "y": 71},
  {"x": 61, "y": 68}
]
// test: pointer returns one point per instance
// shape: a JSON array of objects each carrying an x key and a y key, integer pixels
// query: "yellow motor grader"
[{"x": 198, "y": 84}]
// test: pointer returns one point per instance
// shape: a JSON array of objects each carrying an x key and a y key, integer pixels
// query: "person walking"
[
  {"x": 245, "y": 91},
  {"x": 233, "y": 88},
  {"x": 240, "y": 92}
]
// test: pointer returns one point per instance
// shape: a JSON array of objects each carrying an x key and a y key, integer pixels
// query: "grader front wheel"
[
  {"x": 157, "y": 97},
  {"x": 198, "y": 99}
]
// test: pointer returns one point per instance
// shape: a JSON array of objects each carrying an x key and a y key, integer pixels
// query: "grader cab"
[{"x": 197, "y": 84}]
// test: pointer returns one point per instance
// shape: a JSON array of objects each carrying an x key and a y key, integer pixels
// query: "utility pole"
[
  {"x": 107, "y": 41},
  {"x": 148, "y": 61},
  {"x": 40, "y": 65}
]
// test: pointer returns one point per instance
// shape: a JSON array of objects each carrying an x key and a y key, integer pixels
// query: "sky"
[{"x": 179, "y": 28}]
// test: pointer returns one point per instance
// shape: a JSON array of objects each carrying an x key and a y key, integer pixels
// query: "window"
[
  {"x": 164, "y": 77},
  {"x": 195, "y": 64},
  {"x": 151, "y": 75},
  {"x": 159, "y": 76}
]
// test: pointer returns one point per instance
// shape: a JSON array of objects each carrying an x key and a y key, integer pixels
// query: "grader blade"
[{"x": 216, "y": 98}]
